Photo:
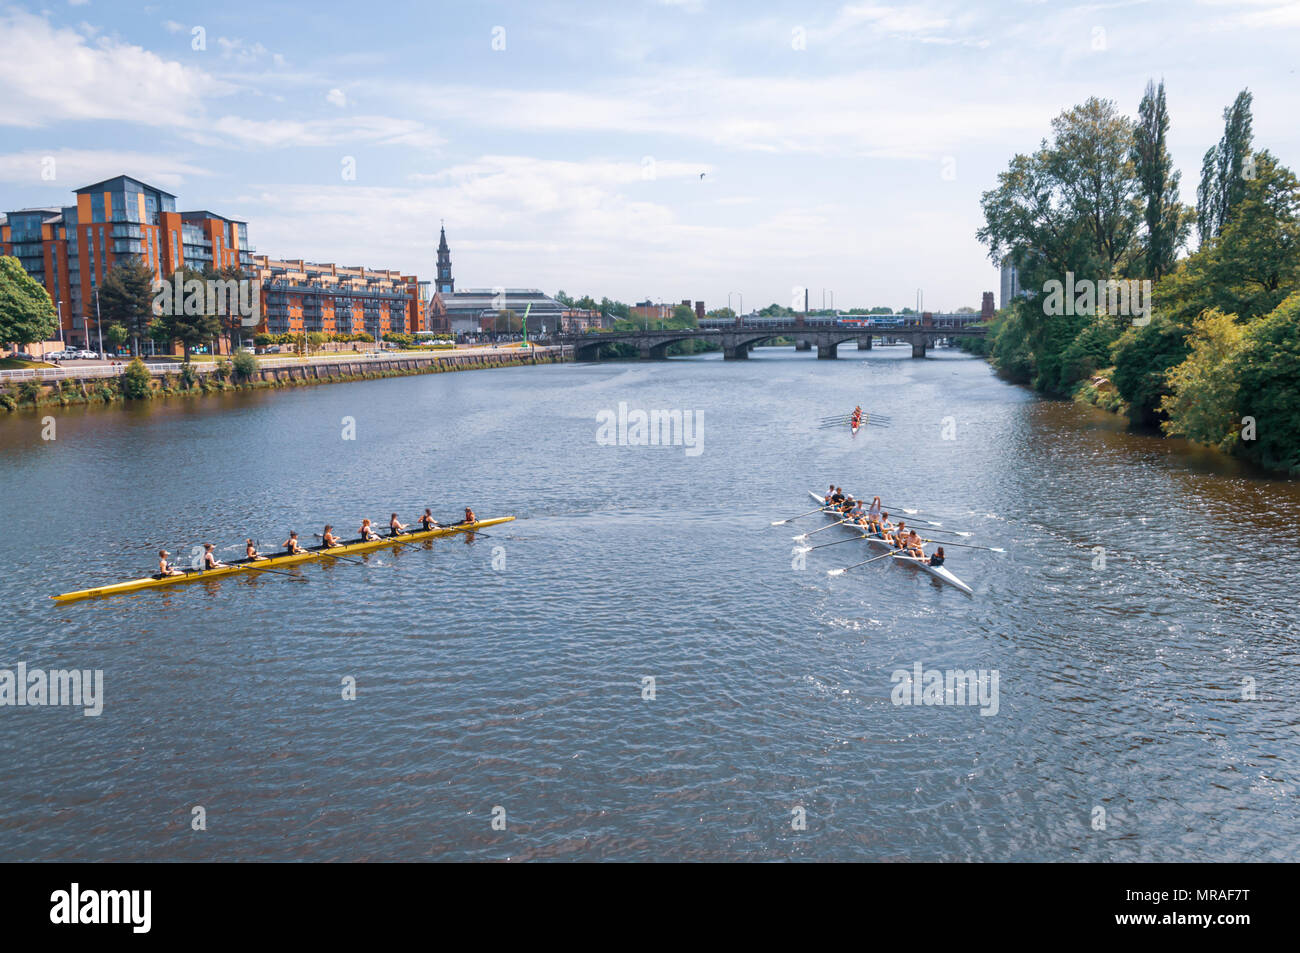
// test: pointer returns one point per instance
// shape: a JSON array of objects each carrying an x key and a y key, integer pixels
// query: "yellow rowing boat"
[{"x": 271, "y": 562}]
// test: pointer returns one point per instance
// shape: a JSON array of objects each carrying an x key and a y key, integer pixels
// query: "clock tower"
[{"x": 445, "y": 284}]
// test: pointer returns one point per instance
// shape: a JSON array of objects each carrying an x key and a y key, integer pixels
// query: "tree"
[
  {"x": 1254, "y": 263},
  {"x": 1142, "y": 358},
  {"x": 126, "y": 297},
  {"x": 1222, "y": 179},
  {"x": 190, "y": 320},
  {"x": 117, "y": 336},
  {"x": 1167, "y": 221},
  {"x": 26, "y": 312},
  {"x": 1202, "y": 401},
  {"x": 1268, "y": 375},
  {"x": 135, "y": 381},
  {"x": 1071, "y": 207},
  {"x": 684, "y": 316}
]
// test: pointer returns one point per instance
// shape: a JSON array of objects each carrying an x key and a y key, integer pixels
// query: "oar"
[
  {"x": 253, "y": 567},
  {"x": 948, "y": 542},
  {"x": 840, "y": 572},
  {"x": 949, "y": 532},
  {"x": 804, "y": 536},
  {"x": 851, "y": 539},
  {"x": 800, "y": 516},
  {"x": 322, "y": 552}
]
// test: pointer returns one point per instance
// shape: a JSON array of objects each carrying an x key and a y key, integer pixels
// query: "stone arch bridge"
[{"x": 738, "y": 341}]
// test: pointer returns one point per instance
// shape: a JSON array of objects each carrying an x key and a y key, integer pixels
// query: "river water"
[{"x": 1146, "y": 704}]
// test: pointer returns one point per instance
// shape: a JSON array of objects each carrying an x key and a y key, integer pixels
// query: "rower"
[
  {"x": 427, "y": 522},
  {"x": 882, "y": 527},
  {"x": 830, "y": 492},
  {"x": 874, "y": 510},
  {"x": 328, "y": 539},
  {"x": 366, "y": 533},
  {"x": 164, "y": 567},
  {"x": 469, "y": 516},
  {"x": 913, "y": 545},
  {"x": 291, "y": 544},
  {"x": 936, "y": 560},
  {"x": 900, "y": 534},
  {"x": 395, "y": 528},
  {"x": 837, "y": 496},
  {"x": 250, "y": 551},
  {"x": 210, "y": 560}
]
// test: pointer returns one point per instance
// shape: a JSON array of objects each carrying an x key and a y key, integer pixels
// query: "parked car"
[{"x": 88, "y": 355}]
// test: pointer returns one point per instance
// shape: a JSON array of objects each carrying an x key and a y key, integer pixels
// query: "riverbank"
[{"x": 108, "y": 384}]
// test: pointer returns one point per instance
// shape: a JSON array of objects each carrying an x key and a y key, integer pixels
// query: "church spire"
[{"x": 445, "y": 283}]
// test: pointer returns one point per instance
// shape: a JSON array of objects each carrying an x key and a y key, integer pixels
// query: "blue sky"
[{"x": 844, "y": 146}]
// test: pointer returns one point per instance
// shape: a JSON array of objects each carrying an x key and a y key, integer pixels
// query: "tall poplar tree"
[{"x": 1166, "y": 218}]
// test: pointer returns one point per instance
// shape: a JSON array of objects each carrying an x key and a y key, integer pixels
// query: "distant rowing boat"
[
  {"x": 271, "y": 562},
  {"x": 939, "y": 572}
]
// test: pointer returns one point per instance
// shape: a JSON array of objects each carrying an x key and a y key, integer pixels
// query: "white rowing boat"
[{"x": 938, "y": 572}]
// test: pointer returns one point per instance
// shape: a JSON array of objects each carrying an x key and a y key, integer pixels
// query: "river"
[{"x": 1146, "y": 697}]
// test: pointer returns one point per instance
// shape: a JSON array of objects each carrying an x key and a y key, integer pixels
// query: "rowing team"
[
  {"x": 877, "y": 525},
  {"x": 366, "y": 534},
  {"x": 856, "y": 419}
]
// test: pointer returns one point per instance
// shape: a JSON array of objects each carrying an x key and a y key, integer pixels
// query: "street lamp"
[
  {"x": 99, "y": 326},
  {"x": 61, "y": 341},
  {"x": 742, "y": 302}
]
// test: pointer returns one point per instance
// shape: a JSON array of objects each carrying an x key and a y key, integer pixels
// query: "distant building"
[
  {"x": 1010, "y": 283},
  {"x": 475, "y": 309},
  {"x": 446, "y": 284},
  {"x": 302, "y": 296}
]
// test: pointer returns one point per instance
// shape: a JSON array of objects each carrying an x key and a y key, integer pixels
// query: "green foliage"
[
  {"x": 262, "y": 339},
  {"x": 399, "y": 338},
  {"x": 244, "y": 365},
  {"x": 189, "y": 376},
  {"x": 1143, "y": 356},
  {"x": 1202, "y": 401},
  {"x": 126, "y": 297},
  {"x": 1267, "y": 368},
  {"x": 135, "y": 381},
  {"x": 1167, "y": 221},
  {"x": 26, "y": 312},
  {"x": 117, "y": 335},
  {"x": 685, "y": 314},
  {"x": 1090, "y": 350},
  {"x": 191, "y": 329},
  {"x": 1222, "y": 179},
  {"x": 7, "y": 400}
]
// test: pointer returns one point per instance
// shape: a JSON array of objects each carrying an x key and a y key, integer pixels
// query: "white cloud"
[
  {"x": 337, "y": 97},
  {"x": 73, "y": 168},
  {"x": 48, "y": 74}
]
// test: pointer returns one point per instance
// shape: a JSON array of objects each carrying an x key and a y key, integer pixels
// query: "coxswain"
[
  {"x": 366, "y": 533},
  {"x": 250, "y": 551},
  {"x": 469, "y": 516},
  {"x": 427, "y": 522},
  {"x": 395, "y": 528},
  {"x": 164, "y": 567},
  {"x": 937, "y": 559},
  {"x": 210, "y": 560},
  {"x": 328, "y": 539},
  {"x": 291, "y": 544}
]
